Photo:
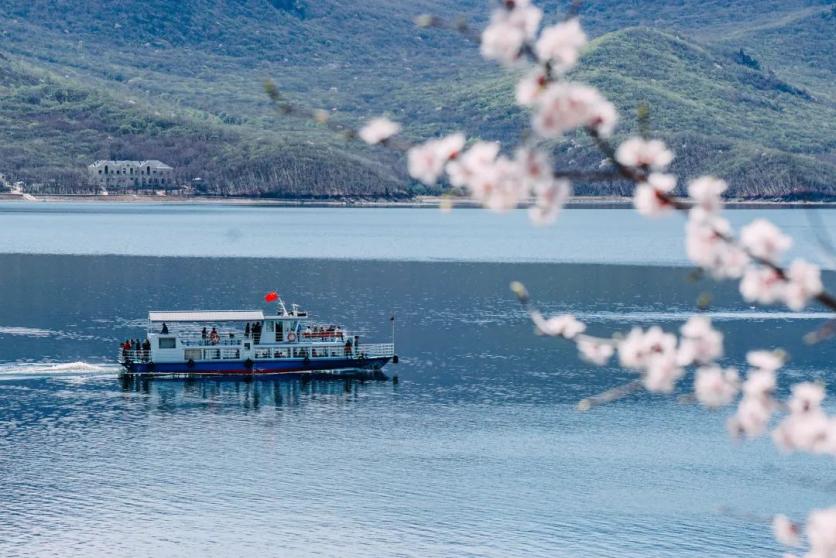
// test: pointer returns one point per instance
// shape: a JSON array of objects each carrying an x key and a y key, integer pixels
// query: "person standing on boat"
[
  {"x": 214, "y": 338},
  {"x": 204, "y": 334},
  {"x": 257, "y": 332},
  {"x": 165, "y": 329},
  {"x": 146, "y": 350},
  {"x": 247, "y": 330}
]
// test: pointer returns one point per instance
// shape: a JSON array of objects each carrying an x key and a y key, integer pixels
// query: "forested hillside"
[{"x": 739, "y": 88}]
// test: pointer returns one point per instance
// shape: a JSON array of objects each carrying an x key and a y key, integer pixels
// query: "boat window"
[
  {"x": 212, "y": 354},
  {"x": 193, "y": 354},
  {"x": 168, "y": 342}
]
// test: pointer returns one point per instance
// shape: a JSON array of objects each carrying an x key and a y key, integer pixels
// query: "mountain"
[{"x": 181, "y": 81}]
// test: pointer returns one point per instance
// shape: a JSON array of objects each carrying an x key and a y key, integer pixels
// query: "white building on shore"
[{"x": 131, "y": 175}]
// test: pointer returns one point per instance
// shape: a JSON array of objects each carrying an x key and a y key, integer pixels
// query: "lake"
[{"x": 477, "y": 451}]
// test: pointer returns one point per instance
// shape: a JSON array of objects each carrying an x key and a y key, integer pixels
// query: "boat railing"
[
  {"x": 134, "y": 355},
  {"x": 199, "y": 341},
  {"x": 376, "y": 350}
]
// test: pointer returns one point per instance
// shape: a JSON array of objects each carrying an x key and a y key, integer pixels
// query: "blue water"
[
  {"x": 477, "y": 451},
  {"x": 612, "y": 236}
]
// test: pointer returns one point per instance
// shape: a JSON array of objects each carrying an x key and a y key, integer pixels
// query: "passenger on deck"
[
  {"x": 165, "y": 329},
  {"x": 256, "y": 332},
  {"x": 214, "y": 338},
  {"x": 247, "y": 330},
  {"x": 348, "y": 348},
  {"x": 146, "y": 350},
  {"x": 204, "y": 334}
]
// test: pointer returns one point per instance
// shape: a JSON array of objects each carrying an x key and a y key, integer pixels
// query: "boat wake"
[{"x": 30, "y": 369}]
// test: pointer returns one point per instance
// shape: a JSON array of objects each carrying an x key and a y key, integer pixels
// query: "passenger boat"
[{"x": 249, "y": 342}]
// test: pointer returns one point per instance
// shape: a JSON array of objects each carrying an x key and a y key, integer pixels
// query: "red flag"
[{"x": 272, "y": 296}]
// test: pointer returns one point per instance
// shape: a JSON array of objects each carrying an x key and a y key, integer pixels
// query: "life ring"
[{"x": 291, "y": 337}]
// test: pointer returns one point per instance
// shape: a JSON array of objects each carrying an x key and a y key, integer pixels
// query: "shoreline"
[{"x": 428, "y": 202}]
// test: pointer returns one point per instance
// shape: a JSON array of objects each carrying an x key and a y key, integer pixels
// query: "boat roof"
[{"x": 207, "y": 316}]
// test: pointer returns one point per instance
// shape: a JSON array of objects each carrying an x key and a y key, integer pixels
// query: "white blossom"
[
  {"x": 378, "y": 130},
  {"x": 662, "y": 373},
  {"x": 654, "y": 353},
  {"x": 765, "y": 360},
  {"x": 565, "y": 106},
  {"x": 715, "y": 386},
  {"x": 763, "y": 285},
  {"x": 560, "y": 44},
  {"x": 806, "y": 397},
  {"x": 564, "y": 325},
  {"x": 596, "y": 352},
  {"x": 759, "y": 383},
  {"x": 706, "y": 246},
  {"x": 549, "y": 199},
  {"x": 509, "y": 29},
  {"x": 803, "y": 283},
  {"x": 752, "y": 417},
  {"x": 649, "y": 197},
  {"x": 786, "y": 532},
  {"x": 638, "y": 152},
  {"x": 426, "y": 162},
  {"x": 764, "y": 240},
  {"x": 530, "y": 87},
  {"x": 707, "y": 192},
  {"x": 821, "y": 533},
  {"x": 469, "y": 164},
  {"x": 499, "y": 186},
  {"x": 700, "y": 342}
]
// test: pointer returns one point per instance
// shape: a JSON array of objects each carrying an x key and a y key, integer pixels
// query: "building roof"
[
  {"x": 153, "y": 163},
  {"x": 207, "y": 316}
]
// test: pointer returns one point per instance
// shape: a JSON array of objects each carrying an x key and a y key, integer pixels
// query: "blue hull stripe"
[{"x": 259, "y": 366}]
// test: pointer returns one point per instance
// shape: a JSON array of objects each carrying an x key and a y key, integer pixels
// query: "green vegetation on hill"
[{"x": 181, "y": 81}]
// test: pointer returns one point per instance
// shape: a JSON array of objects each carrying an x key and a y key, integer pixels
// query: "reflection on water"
[
  {"x": 478, "y": 451},
  {"x": 248, "y": 393}
]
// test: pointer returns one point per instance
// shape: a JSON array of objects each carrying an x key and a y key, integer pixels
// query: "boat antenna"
[
  {"x": 392, "y": 319},
  {"x": 282, "y": 307}
]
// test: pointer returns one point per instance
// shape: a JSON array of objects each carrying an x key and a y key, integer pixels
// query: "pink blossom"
[
  {"x": 808, "y": 432},
  {"x": 662, "y": 372},
  {"x": 549, "y": 199},
  {"x": 649, "y": 197},
  {"x": 499, "y": 186},
  {"x": 560, "y": 45},
  {"x": 700, "y": 342},
  {"x": 707, "y": 191},
  {"x": 715, "y": 386},
  {"x": 638, "y": 152},
  {"x": 706, "y": 247},
  {"x": 765, "y": 360},
  {"x": 378, "y": 130},
  {"x": 751, "y": 418},
  {"x": 786, "y": 532},
  {"x": 654, "y": 352},
  {"x": 806, "y": 397},
  {"x": 803, "y": 283},
  {"x": 509, "y": 29},
  {"x": 595, "y": 352},
  {"x": 564, "y": 325},
  {"x": 759, "y": 383},
  {"x": 535, "y": 166},
  {"x": 469, "y": 164},
  {"x": 764, "y": 240},
  {"x": 565, "y": 106},
  {"x": 530, "y": 87},
  {"x": 763, "y": 285},
  {"x": 821, "y": 533},
  {"x": 426, "y": 161}
]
